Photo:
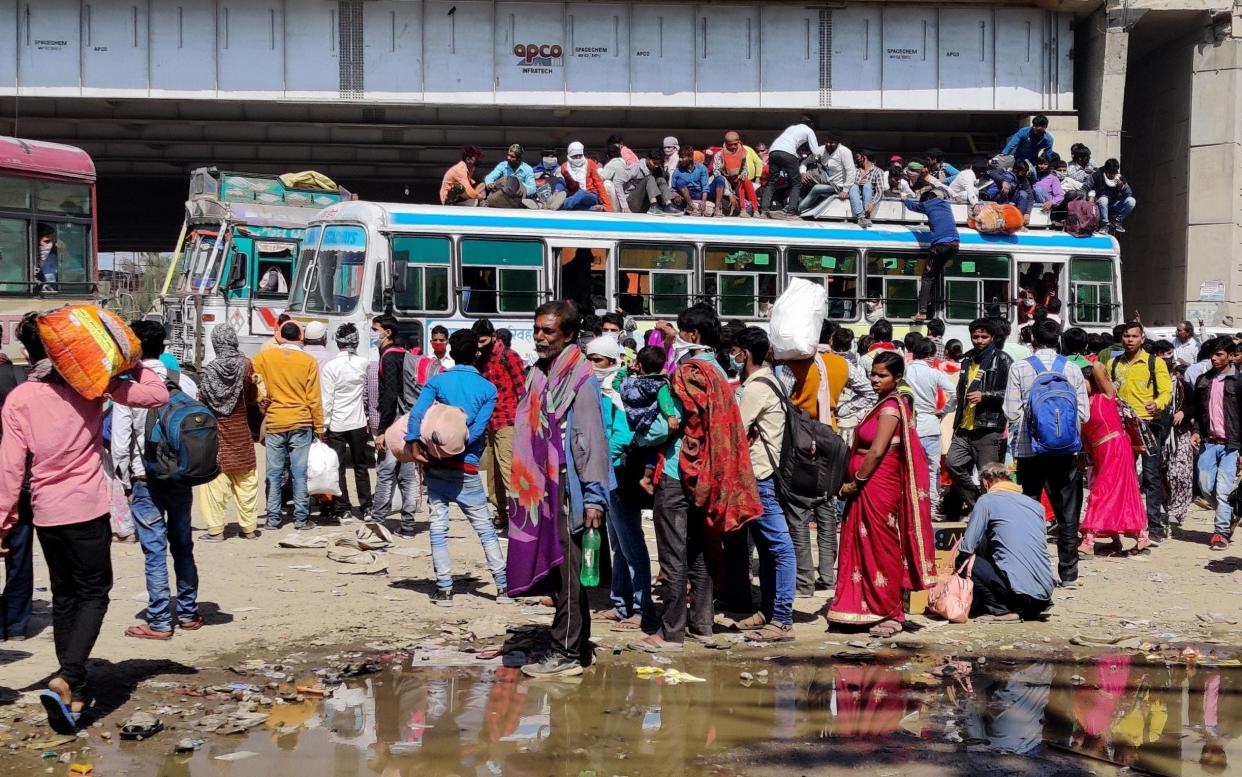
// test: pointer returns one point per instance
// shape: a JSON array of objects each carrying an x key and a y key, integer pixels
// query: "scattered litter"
[
  {"x": 1216, "y": 617},
  {"x": 671, "y": 676},
  {"x": 189, "y": 745},
  {"x": 140, "y": 726},
  {"x": 239, "y": 755},
  {"x": 301, "y": 541}
]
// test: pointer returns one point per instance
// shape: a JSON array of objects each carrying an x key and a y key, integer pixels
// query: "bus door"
[{"x": 583, "y": 270}]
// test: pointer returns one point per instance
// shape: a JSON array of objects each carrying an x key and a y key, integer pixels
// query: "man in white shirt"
[
  {"x": 1185, "y": 344},
  {"x": 315, "y": 342},
  {"x": 341, "y": 383},
  {"x": 964, "y": 188},
  {"x": 783, "y": 158},
  {"x": 439, "y": 346},
  {"x": 933, "y": 392}
]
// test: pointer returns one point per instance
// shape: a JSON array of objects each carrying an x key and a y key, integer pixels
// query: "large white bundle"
[
  {"x": 797, "y": 317},
  {"x": 322, "y": 471}
]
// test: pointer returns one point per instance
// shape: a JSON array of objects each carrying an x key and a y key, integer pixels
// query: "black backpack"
[{"x": 813, "y": 457}]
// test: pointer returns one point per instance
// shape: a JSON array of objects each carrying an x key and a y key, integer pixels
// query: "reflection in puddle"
[{"x": 489, "y": 720}]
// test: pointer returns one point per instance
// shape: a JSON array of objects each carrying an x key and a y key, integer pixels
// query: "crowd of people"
[
  {"x": 792, "y": 177},
  {"x": 698, "y": 423}
]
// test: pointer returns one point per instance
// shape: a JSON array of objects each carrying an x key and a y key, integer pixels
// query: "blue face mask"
[
  {"x": 375, "y": 338},
  {"x": 734, "y": 364}
]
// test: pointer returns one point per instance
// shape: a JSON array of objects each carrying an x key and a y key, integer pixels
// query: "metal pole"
[{"x": 172, "y": 268}]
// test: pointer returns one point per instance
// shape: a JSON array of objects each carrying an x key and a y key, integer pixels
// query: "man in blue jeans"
[
  {"x": 161, "y": 511},
  {"x": 455, "y": 480},
  {"x": 763, "y": 417},
  {"x": 1217, "y": 434}
]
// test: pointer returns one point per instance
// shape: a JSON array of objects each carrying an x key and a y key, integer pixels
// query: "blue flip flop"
[{"x": 59, "y": 717}]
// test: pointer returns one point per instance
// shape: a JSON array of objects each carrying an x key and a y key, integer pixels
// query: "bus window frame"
[
  {"x": 693, "y": 274},
  {"x": 1006, "y": 302},
  {"x": 308, "y": 250},
  {"x": 858, "y": 275},
  {"x": 884, "y": 296},
  {"x": 314, "y": 262},
  {"x": 773, "y": 249},
  {"x": 1073, "y": 286},
  {"x": 35, "y": 217},
  {"x": 542, "y": 293},
  {"x": 389, "y": 269}
]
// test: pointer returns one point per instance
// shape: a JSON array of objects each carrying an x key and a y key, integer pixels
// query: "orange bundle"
[
  {"x": 89, "y": 346},
  {"x": 993, "y": 219}
]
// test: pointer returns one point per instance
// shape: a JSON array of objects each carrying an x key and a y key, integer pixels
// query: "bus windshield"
[
  {"x": 332, "y": 281},
  {"x": 46, "y": 241}
]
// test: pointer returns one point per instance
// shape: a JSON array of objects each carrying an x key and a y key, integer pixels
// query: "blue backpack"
[
  {"x": 1052, "y": 411},
  {"x": 182, "y": 439}
]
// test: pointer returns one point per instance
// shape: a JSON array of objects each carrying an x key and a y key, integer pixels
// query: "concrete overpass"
[{"x": 380, "y": 94}]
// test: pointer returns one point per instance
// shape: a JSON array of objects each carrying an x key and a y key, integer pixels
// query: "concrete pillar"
[
  {"x": 1101, "y": 53},
  {"x": 1214, "y": 230}
]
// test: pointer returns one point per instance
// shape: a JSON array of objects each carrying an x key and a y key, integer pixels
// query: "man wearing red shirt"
[{"x": 507, "y": 372}]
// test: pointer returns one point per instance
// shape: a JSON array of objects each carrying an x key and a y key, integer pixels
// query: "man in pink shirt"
[{"x": 70, "y": 498}]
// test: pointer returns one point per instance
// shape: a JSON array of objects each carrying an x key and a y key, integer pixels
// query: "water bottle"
[{"x": 589, "y": 576}]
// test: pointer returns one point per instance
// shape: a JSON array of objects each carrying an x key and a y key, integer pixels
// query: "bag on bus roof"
[
  {"x": 991, "y": 218},
  {"x": 1082, "y": 217},
  {"x": 89, "y": 346}
]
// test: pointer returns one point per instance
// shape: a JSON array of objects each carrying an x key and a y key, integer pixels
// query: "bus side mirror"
[
  {"x": 237, "y": 272},
  {"x": 399, "y": 267}
]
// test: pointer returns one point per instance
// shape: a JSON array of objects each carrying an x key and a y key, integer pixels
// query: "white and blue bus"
[{"x": 432, "y": 265}]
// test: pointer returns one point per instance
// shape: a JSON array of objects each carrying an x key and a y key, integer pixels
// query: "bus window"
[
  {"x": 1039, "y": 285},
  {"x": 72, "y": 245},
  {"x": 892, "y": 284},
  {"x": 15, "y": 192},
  {"x": 310, "y": 242},
  {"x": 71, "y": 199},
  {"x": 976, "y": 286},
  {"x": 1091, "y": 289},
  {"x": 14, "y": 256},
  {"x": 741, "y": 279},
  {"x": 273, "y": 268},
  {"x": 333, "y": 281},
  {"x": 835, "y": 269},
  {"x": 500, "y": 275},
  {"x": 654, "y": 279},
  {"x": 426, "y": 261},
  {"x": 583, "y": 272}
]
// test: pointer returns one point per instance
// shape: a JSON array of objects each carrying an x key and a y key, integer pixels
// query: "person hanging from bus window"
[
  {"x": 458, "y": 186},
  {"x": 945, "y": 243},
  {"x": 510, "y": 181},
  {"x": 48, "y": 264},
  {"x": 581, "y": 182}
]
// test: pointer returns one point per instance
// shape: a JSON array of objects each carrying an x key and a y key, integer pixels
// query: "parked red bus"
[{"x": 48, "y": 235}]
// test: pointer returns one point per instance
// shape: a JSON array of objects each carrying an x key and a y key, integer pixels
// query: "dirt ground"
[{"x": 263, "y": 602}]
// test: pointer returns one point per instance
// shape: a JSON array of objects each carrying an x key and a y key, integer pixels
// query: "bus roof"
[
  {"x": 36, "y": 157},
  {"x": 606, "y": 226}
]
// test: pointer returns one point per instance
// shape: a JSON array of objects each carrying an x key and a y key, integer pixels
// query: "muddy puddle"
[{"x": 895, "y": 714}]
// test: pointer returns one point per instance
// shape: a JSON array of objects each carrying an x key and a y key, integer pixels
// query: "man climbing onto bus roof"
[
  {"x": 783, "y": 158},
  {"x": 1030, "y": 142}
]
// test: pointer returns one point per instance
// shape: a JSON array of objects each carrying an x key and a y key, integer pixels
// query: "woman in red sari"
[
  {"x": 887, "y": 542},
  {"x": 1115, "y": 508}
]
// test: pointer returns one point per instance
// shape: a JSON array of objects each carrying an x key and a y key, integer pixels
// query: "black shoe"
[
  {"x": 554, "y": 666},
  {"x": 303, "y": 526},
  {"x": 404, "y": 533},
  {"x": 443, "y": 597}
]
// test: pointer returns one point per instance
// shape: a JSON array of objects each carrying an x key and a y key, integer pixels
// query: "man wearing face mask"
[
  {"x": 392, "y": 402},
  {"x": 559, "y": 421},
  {"x": 703, "y": 488},
  {"x": 546, "y": 174},
  {"x": 504, "y": 368},
  {"x": 439, "y": 346},
  {"x": 581, "y": 181},
  {"x": 49, "y": 262}
]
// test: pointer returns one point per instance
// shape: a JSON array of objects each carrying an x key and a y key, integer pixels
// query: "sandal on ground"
[
  {"x": 140, "y": 726},
  {"x": 62, "y": 720},
  {"x": 144, "y": 631},
  {"x": 250, "y": 535},
  {"x": 650, "y": 645},
  {"x": 209, "y": 537},
  {"x": 885, "y": 629},
  {"x": 756, "y": 621},
  {"x": 606, "y": 615},
  {"x": 1144, "y": 542},
  {"x": 771, "y": 632},
  {"x": 1086, "y": 548},
  {"x": 1009, "y": 617},
  {"x": 632, "y": 623},
  {"x": 193, "y": 624}
]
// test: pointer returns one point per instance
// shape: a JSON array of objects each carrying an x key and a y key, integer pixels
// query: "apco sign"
[{"x": 538, "y": 58}]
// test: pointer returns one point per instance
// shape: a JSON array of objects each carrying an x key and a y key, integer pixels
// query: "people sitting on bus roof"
[
  {"x": 831, "y": 172},
  {"x": 689, "y": 185},
  {"x": 938, "y": 168},
  {"x": 742, "y": 167},
  {"x": 625, "y": 152},
  {"x": 783, "y": 159},
  {"x": 642, "y": 187},
  {"x": 581, "y": 182},
  {"x": 1080, "y": 167},
  {"x": 1030, "y": 142},
  {"x": 458, "y": 185},
  {"x": 1113, "y": 196},
  {"x": 546, "y": 174},
  {"x": 510, "y": 181}
]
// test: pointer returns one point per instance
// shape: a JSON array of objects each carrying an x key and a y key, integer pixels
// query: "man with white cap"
[
  {"x": 632, "y": 607},
  {"x": 315, "y": 342},
  {"x": 581, "y": 181}
]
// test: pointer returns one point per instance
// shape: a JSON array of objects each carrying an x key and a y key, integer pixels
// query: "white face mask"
[
  {"x": 683, "y": 348},
  {"x": 44, "y": 250},
  {"x": 549, "y": 162},
  {"x": 605, "y": 375}
]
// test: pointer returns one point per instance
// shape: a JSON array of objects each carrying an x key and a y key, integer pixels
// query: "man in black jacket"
[
  {"x": 1217, "y": 432},
  {"x": 392, "y": 403},
  {"x": 979, "y": 426}
]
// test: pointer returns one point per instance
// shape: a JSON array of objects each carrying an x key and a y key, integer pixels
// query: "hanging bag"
[{"x": 953, "y": 594}]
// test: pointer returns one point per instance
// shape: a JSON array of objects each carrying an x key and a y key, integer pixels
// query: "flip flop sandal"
[
  {"x": 756, "y": 621},
  {"x": 645, "y": 646},
  {"x": 209, "y": 537},
  {"x": 140, "y": 726},
  {"x": 144, "y": 631},
  {"x": 252, "y": 535},
  {"x": 59, "y": 716},
  {"x": 885, "y": 630},
  {"x": 1009, "y": 617},
  {"x": 770, "y": 632},
  {"x": 633, "y": 623},
  {"x": 606, "y": 615},
  {"x": 193, "y": 624}
]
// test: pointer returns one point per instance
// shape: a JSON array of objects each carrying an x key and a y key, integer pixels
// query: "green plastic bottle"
[{"x": 589, "y": 576}]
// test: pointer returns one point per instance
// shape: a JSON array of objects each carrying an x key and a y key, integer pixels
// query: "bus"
[
  {"x": 430, "y": 265},
  {"x": 48, "y": 235},
  {"x": 235, "y": 256}
]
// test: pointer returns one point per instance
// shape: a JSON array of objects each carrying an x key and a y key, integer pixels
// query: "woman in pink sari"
[
  {"x": 887, "y": 542},
  {"x": 1115, "y": 508}
]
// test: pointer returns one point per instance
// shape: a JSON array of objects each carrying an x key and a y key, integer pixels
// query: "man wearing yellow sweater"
[{"x": 294, "y": 417}]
